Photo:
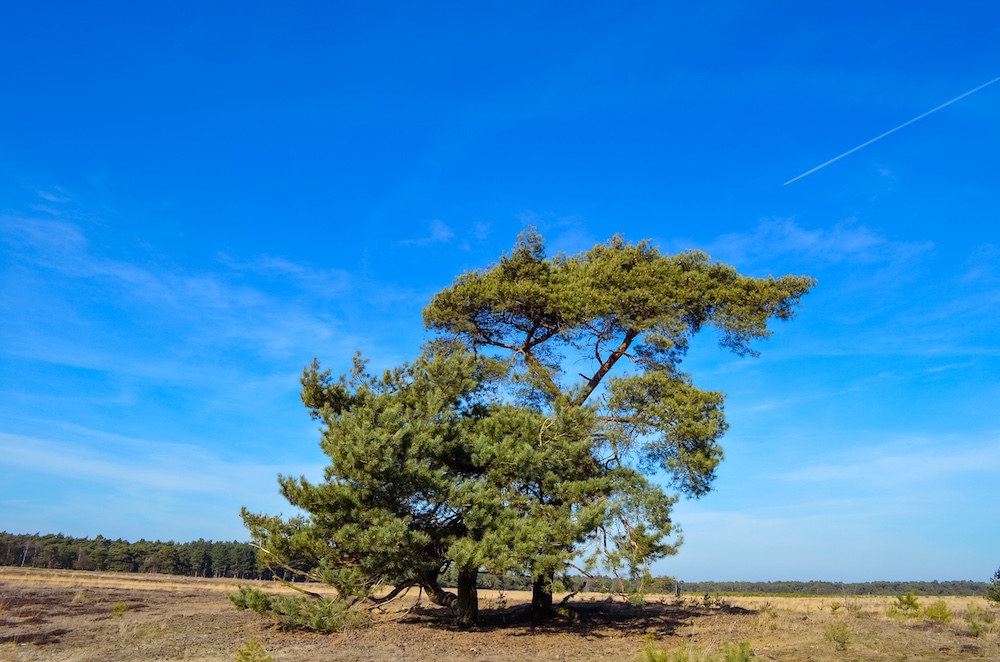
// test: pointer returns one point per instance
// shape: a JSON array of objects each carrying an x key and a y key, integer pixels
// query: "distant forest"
[
  {"x": 205, "y": 558},
  {"x": 201, "y": 558},
  {"x": 837, "y": 588}
]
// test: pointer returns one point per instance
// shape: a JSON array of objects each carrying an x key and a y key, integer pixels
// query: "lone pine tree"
[{"x": 483, "y": 454}]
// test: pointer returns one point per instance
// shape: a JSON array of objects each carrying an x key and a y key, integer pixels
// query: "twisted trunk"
[{"x": 465, "y": 605}]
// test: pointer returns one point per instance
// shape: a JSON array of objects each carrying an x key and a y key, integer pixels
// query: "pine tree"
[{"x": 626, "y": 314}]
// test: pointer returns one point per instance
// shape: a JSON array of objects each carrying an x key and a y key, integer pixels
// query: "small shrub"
[
  {"x": 651, "y": 654},
  {"x": 907, "y": 606},
  {"x": 938, "y": 611},
  {"x": 980, "y": 621},
  {"x": 736, "y": 652},
  {"x": 119, "y": 609},
  {"x": 839, "y": 634},
  {"x": 682, "y": 652},
  {"x": 253, "y": 651},
  {"x": 250, "y": 598},
  {"x": 834, "y": 607},
  {"x": 713, "y": 601}
]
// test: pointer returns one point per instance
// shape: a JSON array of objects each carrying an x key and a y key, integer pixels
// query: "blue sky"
[{"x": 198, "y": 198}]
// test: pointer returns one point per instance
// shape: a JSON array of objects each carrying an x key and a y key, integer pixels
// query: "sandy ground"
[{"x": 70, "y": 616}]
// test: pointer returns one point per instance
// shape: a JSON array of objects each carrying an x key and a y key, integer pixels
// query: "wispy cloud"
[
  {"x": 53, "y": 197},
  {"x": 207, "y": 308},
  {"x": 114, "y": 480},
  {"x": 909, "y": 460},
  {"x": 845, "y": 242},
  {"x": 439, "y": 233}
]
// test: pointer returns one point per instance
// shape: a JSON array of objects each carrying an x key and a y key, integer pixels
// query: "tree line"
[
  {"x": 201, "y": 558},
  {"x": 206, "y": 558},
  {"x": 964, "y": 588}
]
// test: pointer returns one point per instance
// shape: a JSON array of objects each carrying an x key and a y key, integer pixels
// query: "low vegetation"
[
  {"x": 981, "y": 621},
  {"x": 64, "y": 615},
  {"x": 840, "y": 634},
  {"x": 309, "y": 612},
  {"x": 253, "y": 651},
  {"x": 683, "y": 652}
]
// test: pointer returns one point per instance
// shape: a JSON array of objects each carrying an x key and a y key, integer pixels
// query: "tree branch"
[{"x": 605, "y": 368}]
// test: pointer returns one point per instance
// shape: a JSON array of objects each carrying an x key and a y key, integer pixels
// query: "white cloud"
[
  {"x": 440, "y": 233},
  {"x": 846, "y": 242},
  {"x": 204, "y": 308},
  {"x": 909, "y": 460},
  {"x": 113, "y": 460}
]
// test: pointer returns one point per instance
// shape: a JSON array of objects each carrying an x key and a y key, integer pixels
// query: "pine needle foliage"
[
  {"x": 302, "y": 612},
  {"x": 481, "y": 455}
]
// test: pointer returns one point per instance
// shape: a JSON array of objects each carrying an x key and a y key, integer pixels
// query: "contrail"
[{"x": 918, "y": 117}]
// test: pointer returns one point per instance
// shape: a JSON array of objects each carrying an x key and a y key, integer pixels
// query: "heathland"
[{"x": 75, "y": 615}]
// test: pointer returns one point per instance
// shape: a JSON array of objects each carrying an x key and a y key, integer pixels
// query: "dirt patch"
[{"x": 71, "y": 616}]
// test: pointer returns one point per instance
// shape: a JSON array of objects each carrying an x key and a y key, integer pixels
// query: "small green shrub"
[
  {"x": 651, "y": 654},
  {"x": 980, "y": 621},
  {"x": 938, "y": 611},
  {"x": 250, "y": 598},
  {"x": 907, "y": 606},
  {"x": 636, "y": 600},
  {"x": 253, "y": 651},
  {"x": 834, "y": 607},
  {"x": 713, "y": 601},
  {"x": 118, "y": 609},
  {"x": 839, "y": 634},
  {"x": 737, "y": 652},
  {"x": 682, "y": 652}
]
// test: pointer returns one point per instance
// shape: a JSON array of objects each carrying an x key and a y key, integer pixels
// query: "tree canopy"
[{"x": 485, "y": 455}]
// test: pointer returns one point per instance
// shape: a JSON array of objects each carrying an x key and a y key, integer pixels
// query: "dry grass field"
[{"x": 77, "y": 616}]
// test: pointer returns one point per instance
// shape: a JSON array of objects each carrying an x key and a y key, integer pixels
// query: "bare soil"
[{"x": 70, "y": 616}]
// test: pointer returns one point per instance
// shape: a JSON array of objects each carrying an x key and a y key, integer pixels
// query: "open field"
[{"x": 71, "y": 616}]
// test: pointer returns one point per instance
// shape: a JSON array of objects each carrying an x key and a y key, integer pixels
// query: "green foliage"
[
  {"x": 636, "y": 600},
  {"x": 250, "y": 598},
  {"x": 200, "y": 558},
  {"x": 993, "y": 592},
  {"x": 253, "y": 651},
  {"x": 834, "y": 607},
  {"x": 840, "y": 634},
  {"x": 324, "y": 615},
  {"x": 736, "y": 652},
  {"x": 980, "y": 621},
  {"x": 118, "y": 609},
  {"x": 468, "y": 460},
  {"x": 713, "y": 601},
  {"x": 907, "y": 606},
  {"x": 650, "y": 653},
  {"x": 938, "y": 611},
  {"x": 683, "y": 652}
]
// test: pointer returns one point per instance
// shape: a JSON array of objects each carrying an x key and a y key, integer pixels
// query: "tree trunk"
[
  {"x": 438, "y": 595},
  {"x": 541, "y": 597},
  {"x": 467, "y": 605}
]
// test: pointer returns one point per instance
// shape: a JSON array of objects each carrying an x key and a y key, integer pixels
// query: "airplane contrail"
[{"x": 918, "y": 117}]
